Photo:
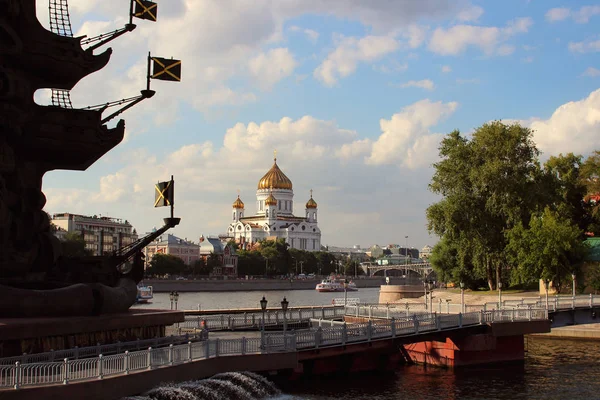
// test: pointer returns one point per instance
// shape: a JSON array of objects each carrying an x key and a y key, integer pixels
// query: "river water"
[{"x": 553, "y": 369}]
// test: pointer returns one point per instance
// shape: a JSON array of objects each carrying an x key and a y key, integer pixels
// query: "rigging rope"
[{"x": 60, "y": 23}]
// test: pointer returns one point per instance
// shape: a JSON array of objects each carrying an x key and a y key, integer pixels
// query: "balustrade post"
[
  {"x": 217, "y": 345},
  {"x": 357, "y": 310},
  {"x": 137, "y": 343},
  {"x": 100, "y": 366},
  {"x": 170, "y": 354},
  {"x": 318, "y": 337},
  {"x": 245, "y": 318},
  {"x": 243, "y": 345},
  {"x": 76, "y": 352},
  {"x": 393, "y": 326},
  {"x": 591, "y": 300},
  {"x": 198, "y": 320},
  {"x": 416, "y": 323},
  {"x": 207, "y": 351},
  {"x": 229, "y": 322},
  {"x": 573, "y": 302},
  {"x": 17, "y": 377},
  {"x": 481, "y": 319},
  {"x": 370, "y": 311},
  {"x": 190, "y": 351},
  {"x": 369, "y": 330},
  {"x": 512, "y": 315},
  {"x": 556, "y": 302},
  {"x": 323, "y": 312},
  {"x": 148, "y": 358},
  {"x": 65, "y": 371},
  {"x": 387, "y": 311},
  {"x": 344, "y": 334},
  {"x": 438, "y": 323},
  {"x": 253, "y": 320},
  {"x": 126, "y": 362},
  {"x": 460, "y": 316}
]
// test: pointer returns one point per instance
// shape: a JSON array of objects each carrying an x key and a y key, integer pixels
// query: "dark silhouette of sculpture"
[{"x": 35, "y": 279}]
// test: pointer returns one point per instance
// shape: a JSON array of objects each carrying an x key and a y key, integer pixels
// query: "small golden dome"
[
  {"x": 311, "y": 203},
  {"x": 275, "y": 179},
  {"x": 238, "y": 203},
  {"x": 271, "y": 201}
]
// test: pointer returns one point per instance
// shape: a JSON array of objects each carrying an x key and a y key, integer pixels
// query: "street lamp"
[
  {"x": 345, "y": 294},
  {"x": 176, "y": 299},
  {"x": 499, "y": 295},
  {"x": 547, "y": 284},
  {"x": 172, "y": 298},
  {"x": 573, "y": 276},
  {"x": 462, "y": 297},
  {"x": 263, "y": 307},
  {"x": 284, "y": 307}
]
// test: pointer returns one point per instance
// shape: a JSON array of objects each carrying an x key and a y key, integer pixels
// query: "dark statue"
[{"x": 35, "y": 279}]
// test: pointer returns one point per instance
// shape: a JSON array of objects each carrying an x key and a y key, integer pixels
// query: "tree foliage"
[
  {"x": 501, "y": 214},
  {"x": 166, "y": 264},
  {"x": 73, "y": 245}
]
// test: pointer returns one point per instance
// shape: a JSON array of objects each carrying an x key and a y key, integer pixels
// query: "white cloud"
[
  {"x": 558, "y": 14},
  {"x": 273, "y": 66},
  {"x": 591, "y": 71},
  {"x": 406, "y": 138},
  {"x": 312, "y": 35},
  {"x": 490, "y": 40},
  {"x": 470, "y": 14},
  {"x": 391, "y": 68},
  {"x": 446, "y": 69},
  {"x": 581, "y": 16},
  {"x": 588, "y": 46},
  {"x": 573, "y": 127},
  {"x": 342, "y": 61},
  {"x": 426, "y": 84}
]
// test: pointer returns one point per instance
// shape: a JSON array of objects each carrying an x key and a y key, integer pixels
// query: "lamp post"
[
  {"x": 499, "y": 295},
  {"x": 462, "y": 297},
  {"x": 431, "y": 284},
  {"x": 263, "y": 307},
  {"x": 284, "y": 307},
  {"x": 345, "y": 294},
  {"x": 176, "y": 297},
  {"x": 172, "y": 297},
  {"x": 547, "y": 284},
  {"x": 573, "y": 276},
  {"x": 425, "y": 289},
  {"x": 301, "y": 269}
]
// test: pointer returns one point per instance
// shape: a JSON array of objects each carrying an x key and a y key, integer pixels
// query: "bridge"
[
  {"x": 424, "y": 270},
  {"x": 362, "y": 336}
]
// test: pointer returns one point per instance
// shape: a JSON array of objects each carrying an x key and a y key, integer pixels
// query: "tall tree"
[
  {"x": 73, "y": 245},
  {"x": 488, "y": 184},
  {"x": 166, "y": 264}
]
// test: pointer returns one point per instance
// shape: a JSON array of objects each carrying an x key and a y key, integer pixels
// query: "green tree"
[
  {"x": 550, "y": 248},
  {"x": 73, "y": 245},
  {"x": 590, "y": 178},
  {"x": 199, "y": 267},
  {"x": 213, "y": 261},
  {"x": 488, "y": 184},
  {"x": 163, "y": 264}
]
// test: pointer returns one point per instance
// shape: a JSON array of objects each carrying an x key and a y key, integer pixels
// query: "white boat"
[
  {"x": 144, "y": 294},
  {"x": 333, "y": 285}
]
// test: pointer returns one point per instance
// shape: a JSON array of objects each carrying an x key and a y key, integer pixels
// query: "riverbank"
[{"x": 238, "y": 285}]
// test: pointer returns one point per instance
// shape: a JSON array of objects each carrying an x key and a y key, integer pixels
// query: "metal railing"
[
  {"x": 66, "y": 371},
  {"x": 105, "y": 349},
  {"x": 255, "y": 319}
]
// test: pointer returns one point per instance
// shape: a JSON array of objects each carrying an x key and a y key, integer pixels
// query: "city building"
[
  {"x": 188, "y": 251},
  {"x": 227, "y": 259},
  {"x": 426, "y": 252},
  {"x": 102, "y": 235},
  {"x": 274, "y": 218}
]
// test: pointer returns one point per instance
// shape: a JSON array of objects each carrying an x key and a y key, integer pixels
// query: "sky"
[{"x": 355, "y": 96}]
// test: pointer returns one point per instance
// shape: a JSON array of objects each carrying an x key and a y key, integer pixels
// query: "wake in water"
[{"x": 228, "y": 385}]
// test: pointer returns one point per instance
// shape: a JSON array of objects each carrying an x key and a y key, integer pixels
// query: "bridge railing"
[
  {"x": 65, "y": 371},
  {"x": 255, "y": 319},
  {"x": 105, "y": 349}
]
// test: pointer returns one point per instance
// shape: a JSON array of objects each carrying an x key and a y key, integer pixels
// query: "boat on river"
[
  {"x": 333, "y": 285},
  {"x": 144, "y": 294}
]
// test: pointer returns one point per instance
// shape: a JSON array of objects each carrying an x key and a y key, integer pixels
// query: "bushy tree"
[{"x": 163, "y": 264}]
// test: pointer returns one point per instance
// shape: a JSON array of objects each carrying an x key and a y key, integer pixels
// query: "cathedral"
[{"x": 274, "y": 218}]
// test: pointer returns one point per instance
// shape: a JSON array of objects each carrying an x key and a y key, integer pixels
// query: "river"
[{"x": 553, "y": 369}]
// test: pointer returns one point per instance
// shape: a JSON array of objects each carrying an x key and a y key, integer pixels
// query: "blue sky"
[{"x": 355, "y": 96}]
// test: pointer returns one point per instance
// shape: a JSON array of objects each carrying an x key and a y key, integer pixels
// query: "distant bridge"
[{"x": 423, "y": 269}]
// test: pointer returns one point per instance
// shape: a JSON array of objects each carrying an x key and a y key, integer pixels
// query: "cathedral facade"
[{"x": 274, "y": 218}]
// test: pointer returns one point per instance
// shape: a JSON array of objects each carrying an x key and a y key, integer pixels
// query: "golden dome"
[
  {"x": 275, "y": 179},
  {"x": 271, "y": 201},
  {"x": 311, "y": 203},
  {"x": 238, "y": 203}
]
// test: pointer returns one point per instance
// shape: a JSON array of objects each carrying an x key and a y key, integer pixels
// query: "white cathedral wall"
[{"x": 282, "y": 196}]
